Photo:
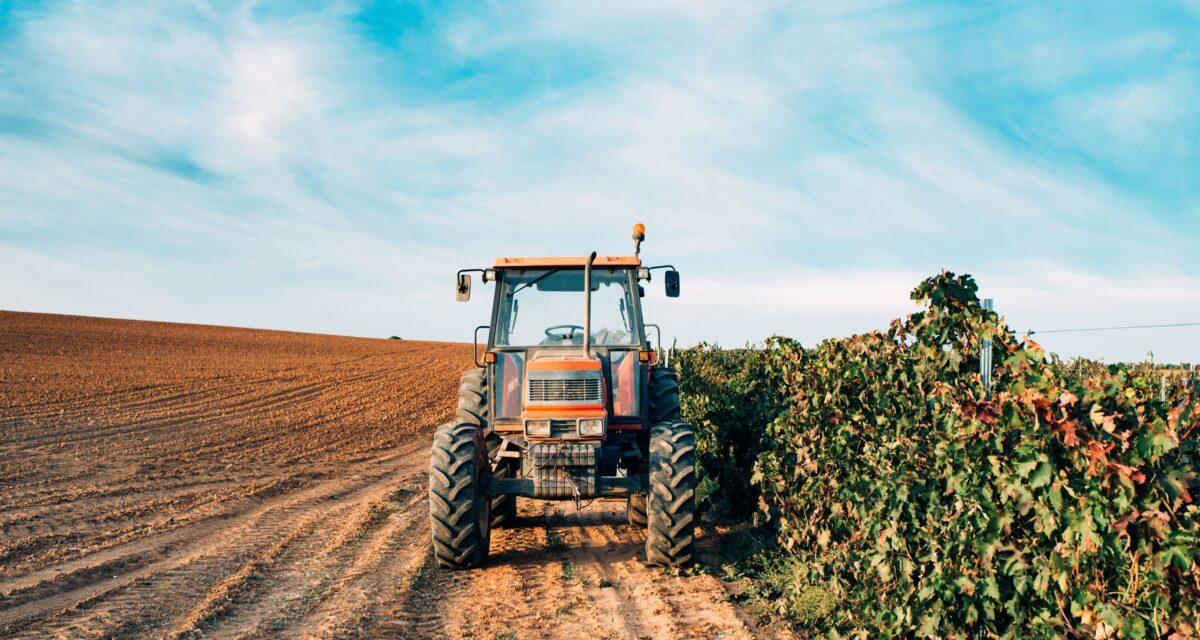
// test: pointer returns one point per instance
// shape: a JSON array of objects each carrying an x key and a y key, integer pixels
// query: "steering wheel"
[{"x": 563, "y": 336}]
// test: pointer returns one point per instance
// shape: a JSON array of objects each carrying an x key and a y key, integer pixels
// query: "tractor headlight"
[
  {"x": 537, "y": 428},
  {"x": 591, "y": 427}
]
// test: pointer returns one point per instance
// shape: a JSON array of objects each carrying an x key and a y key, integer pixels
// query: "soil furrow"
[
  {"x": 185, "y": 547},
  {"x": 166, "y": 480}
]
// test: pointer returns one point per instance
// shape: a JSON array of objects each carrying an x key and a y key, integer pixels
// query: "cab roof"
[{"x": 568, "y": 261}]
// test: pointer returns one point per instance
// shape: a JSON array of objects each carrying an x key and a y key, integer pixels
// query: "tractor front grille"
[
  {"x": 564, "y": 428},
  {"x": 563, "y": 391}
]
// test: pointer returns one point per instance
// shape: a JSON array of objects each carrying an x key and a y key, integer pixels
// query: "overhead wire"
[{"x": 1136, "y": 326}]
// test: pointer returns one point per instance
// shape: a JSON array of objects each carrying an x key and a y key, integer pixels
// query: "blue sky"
[{"x": 327, "y": 166}]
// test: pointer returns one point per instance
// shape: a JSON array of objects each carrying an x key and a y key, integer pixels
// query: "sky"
[{"x": 328, "y": 166}]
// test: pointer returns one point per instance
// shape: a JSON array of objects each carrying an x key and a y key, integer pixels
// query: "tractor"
[{"x": 568, "y": 401}]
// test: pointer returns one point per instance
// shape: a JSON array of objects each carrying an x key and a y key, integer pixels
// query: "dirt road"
[{"x": 162, "y": 480}]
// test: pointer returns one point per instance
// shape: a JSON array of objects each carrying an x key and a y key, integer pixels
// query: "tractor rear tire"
[
  {"x": 664, "y": 395},
  {"x": 635, "y": 510},
  {"x": 671, "y": 505},
  {"x": 459, "y": 509},
  {"x": 473, "y": 409}
]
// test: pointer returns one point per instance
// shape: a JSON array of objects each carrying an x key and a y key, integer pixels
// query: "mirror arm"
[
  {"x": 483, "y": 271},
  {"x": 644, "y": 272}
]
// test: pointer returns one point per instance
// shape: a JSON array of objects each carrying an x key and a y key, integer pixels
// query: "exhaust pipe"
[{"x": 587, "y": 305}]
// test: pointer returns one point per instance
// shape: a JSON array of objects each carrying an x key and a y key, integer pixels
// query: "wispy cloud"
[{"x": 328, "y": 167}]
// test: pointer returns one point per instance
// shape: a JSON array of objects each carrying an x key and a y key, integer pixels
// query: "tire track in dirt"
[
  {"x": 94, "y": 539},
  {"x": 61, "y": 510},
  {"x": 389, "y": 557},
  {"x": 566, "y": 574},
  {"x": 193, "y": 560},
  {"x": 318, "y": 566}
]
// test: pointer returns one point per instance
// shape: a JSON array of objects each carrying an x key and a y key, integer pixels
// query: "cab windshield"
[{"x": 544, "y": 307}]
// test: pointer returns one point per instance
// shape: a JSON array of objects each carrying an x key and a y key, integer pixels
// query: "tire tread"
[
  {"x": 671, "y": 504},
  {"x": 456, "y": 468}
]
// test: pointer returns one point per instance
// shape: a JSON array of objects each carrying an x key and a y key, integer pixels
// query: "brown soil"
[{"x": 166, "y": 480}]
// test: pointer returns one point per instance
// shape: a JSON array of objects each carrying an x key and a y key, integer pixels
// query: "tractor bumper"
[
  {"x": 565, "y": 471},
  {"x": 609, "y": 486}
]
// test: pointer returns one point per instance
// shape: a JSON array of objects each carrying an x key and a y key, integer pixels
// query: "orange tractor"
[{"x": 567, "y": 402}]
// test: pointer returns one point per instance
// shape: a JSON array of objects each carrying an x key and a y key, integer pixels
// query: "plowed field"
[{"x": 166, "y": 480}]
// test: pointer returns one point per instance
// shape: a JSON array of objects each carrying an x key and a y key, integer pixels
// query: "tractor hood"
[{"x": 563, "y": 362}]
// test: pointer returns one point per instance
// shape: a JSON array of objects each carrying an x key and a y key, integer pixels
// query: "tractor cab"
[
  {"x": 566, "y": 402},
  {"x": 556, "y": 374}
]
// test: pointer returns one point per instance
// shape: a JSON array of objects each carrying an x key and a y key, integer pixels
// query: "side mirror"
[
  {"x": 672, "y": 280},
  {"x": 462, "y": 292}
]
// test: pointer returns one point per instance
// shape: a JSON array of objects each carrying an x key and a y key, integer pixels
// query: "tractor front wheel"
[
  {"x": 671, "y": 505},
  {"x": 459, "y": 508}
]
